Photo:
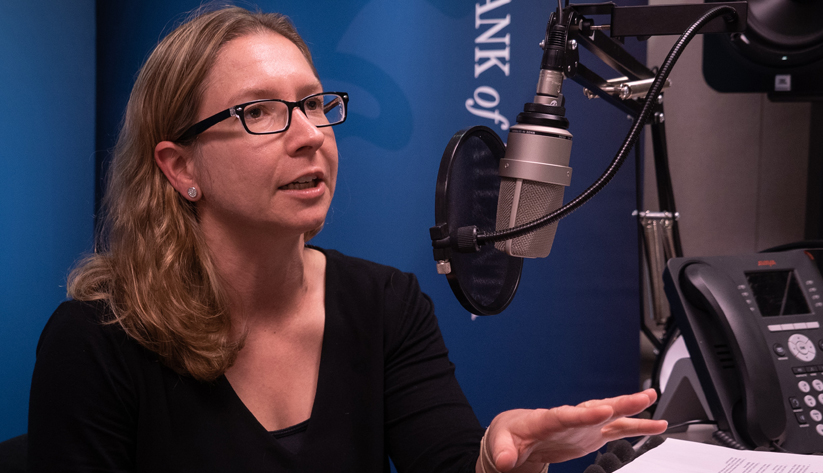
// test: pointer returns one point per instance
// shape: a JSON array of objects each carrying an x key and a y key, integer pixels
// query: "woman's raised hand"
[{"x": 523, "y": 440}]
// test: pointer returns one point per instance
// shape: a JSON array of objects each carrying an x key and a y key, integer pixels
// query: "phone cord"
[{"x": 724, "y": 438}]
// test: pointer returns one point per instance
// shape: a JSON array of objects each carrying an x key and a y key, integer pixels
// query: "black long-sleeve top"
[{"x": 100, "y": 402}]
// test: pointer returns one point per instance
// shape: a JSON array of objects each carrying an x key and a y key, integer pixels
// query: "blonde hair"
[{"x": 151, "y": 263}]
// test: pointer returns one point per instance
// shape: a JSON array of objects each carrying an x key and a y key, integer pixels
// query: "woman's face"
[{"x": 248, "y": 181}]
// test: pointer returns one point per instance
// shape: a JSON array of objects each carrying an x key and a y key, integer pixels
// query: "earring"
[{"x": 192, "y": 192}]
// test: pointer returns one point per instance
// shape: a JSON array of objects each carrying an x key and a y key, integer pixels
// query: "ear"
[{"x": 176, "y": 163}]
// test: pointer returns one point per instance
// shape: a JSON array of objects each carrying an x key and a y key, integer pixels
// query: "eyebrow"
[{"x": 262, "y": 93}]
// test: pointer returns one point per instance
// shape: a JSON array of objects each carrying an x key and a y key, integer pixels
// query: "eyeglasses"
[{"x": 265, "y": 117}]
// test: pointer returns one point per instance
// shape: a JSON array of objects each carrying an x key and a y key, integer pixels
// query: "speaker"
[{"x": 780, "y": 53}]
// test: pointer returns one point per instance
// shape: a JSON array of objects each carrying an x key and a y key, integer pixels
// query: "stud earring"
[{"x": 192, "y": 192}]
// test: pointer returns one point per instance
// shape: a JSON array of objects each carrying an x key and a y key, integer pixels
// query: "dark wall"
[{"x": 47, "y": 74}]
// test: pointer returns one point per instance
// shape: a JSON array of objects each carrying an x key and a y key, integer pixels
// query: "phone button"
[
  {"x": 820, "y": 398},
  {"x": 804, "y": 386},
  {"x": 818, "y": 385},
  {"x": 810, "y": 400},
  {"x": 801, "y": 418},
  {"x": 816, "y": 415},
  {"x": 819, "y": 429},
  {"x": 794, "y": 402},
  {"x": 801, "y": 347},
  {"x": 779, "y": 350}
]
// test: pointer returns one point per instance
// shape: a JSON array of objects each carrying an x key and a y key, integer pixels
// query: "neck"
[{"x": 267, "y": 276}]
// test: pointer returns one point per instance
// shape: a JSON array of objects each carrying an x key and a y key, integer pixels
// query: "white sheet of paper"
[{"x": 681, "y": 456}]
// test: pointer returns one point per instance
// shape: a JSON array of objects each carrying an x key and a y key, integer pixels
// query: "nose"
[{"x": 302, "y": 135}]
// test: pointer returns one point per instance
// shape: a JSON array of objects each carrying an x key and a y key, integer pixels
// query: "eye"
[
  {"x": 265, "y": 117},
  {"x": 313, "y": 104},
  {"x": 255, "y": 111}
]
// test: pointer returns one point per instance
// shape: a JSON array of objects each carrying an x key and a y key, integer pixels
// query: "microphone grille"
[{"x": 534, "y": 200}]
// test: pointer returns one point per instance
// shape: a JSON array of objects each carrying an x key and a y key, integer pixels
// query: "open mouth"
[{"x": 300, "y": 184}]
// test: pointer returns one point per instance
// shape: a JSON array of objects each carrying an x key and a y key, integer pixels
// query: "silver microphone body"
[{"x": 533, "y": 177}]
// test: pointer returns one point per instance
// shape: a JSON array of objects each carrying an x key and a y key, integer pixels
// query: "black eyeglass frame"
[{"x": 237, "y": 111}]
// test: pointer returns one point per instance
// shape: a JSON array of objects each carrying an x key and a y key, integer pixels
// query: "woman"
[{"x": 204, "y": 335}]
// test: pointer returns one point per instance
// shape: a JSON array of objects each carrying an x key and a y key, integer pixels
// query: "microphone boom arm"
[{"x": 561, "y": 59}]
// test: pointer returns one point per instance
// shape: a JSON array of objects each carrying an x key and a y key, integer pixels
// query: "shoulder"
[
  {"x": 77, "y": 316},
  {"x": 84, "y": 397},
  {"x": 84, "y": 312},
  {"x": 364, "y": 276},
  {"x": 366, "y": 288},
  {"x": 338, "y": 260},
  {"x": 81, "y": 329}
]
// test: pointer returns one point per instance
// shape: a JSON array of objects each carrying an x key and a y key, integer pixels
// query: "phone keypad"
[
  {"x": 804, "y": 386},
  {"x": 812, "y": 387}
]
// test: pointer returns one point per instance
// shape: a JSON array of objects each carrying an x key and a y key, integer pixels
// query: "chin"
[
  {"x": 311, "y": 234},
  {"x": 312, "y": 228}
]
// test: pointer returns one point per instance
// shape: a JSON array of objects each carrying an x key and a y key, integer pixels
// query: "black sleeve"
[
  {"x": 82, "y": 409},
  {"x": 430, "y": 425}
]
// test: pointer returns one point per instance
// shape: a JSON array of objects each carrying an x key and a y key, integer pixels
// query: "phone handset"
[{"x": 763, "y": 412}]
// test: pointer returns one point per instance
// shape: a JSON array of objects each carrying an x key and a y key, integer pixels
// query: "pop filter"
[{"x": 468, "y": 185}]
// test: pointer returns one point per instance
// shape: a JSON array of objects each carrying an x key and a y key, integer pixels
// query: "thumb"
[{"x": 502, "y": 452}]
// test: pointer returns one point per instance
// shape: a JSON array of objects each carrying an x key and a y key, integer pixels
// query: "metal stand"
[{"x": 657, "y": 231}]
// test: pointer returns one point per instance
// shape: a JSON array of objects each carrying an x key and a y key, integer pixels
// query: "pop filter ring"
[{"x": 477, "y": 149}]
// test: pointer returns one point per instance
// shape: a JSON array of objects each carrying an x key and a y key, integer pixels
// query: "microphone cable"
[{"x": 631, "y": 138}]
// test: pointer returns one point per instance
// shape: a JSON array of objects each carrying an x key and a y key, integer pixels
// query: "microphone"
[
  {"x": 535, "y": 169},
  {"x": 622, "y": 449},
  {"x": 533, "y": 176},
  {"x": 594, "y": 468},
  {"x": 525, "y": 180},
  {"x": 608, "y": 461}
]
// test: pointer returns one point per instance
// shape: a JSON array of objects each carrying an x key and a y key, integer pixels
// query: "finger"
[
  {"x": 648, "y": 397},
  {"x": 576, "y": 416},
  {"x": 627, "y": 427},
  {"x": 639, "y": 402},
  {"x": 631, "y": 404}
]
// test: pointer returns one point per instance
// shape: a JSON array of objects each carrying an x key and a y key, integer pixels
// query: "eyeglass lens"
[{"x": 269, "y": 116}]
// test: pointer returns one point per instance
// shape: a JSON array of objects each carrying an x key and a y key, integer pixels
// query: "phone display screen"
[{"x": 777, "y": 293}]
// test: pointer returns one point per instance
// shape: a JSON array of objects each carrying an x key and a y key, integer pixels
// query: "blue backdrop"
[
  {"x": 411, "y": 67},
  {"x": 47, "y": 75}
]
